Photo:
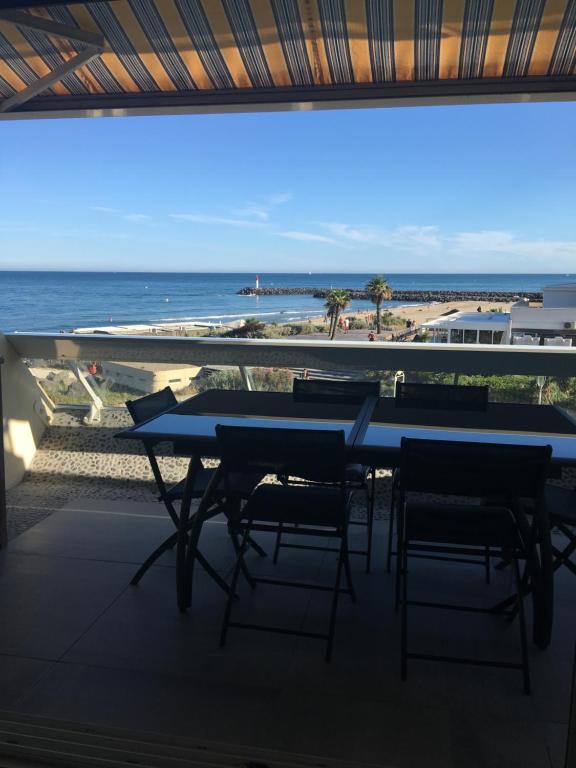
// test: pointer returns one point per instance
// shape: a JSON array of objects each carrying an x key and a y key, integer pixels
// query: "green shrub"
[{"x": 357, "y": 323}]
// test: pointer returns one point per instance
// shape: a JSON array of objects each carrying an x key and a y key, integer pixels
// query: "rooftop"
[{"x": 481, "y": 320}]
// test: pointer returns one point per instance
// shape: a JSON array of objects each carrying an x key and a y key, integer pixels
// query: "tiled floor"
[{"x": 80, "y": 644}]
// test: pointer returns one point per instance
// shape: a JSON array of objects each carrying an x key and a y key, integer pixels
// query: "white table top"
[
  {"x": 173, "y": 425},
  {"x": 389, "y": 436}
]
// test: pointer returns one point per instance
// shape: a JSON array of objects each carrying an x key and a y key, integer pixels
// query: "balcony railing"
[{"x": 73, "y": 357}]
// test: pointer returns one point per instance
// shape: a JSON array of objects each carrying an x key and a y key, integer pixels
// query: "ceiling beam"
[
  {"x": 50, "y": 27},
  {"x": 486, "y": 90},
  {"x": 24, "y": 4},
  {"x": 94, "y": 46},
  {"x": 48, "y": 80}
]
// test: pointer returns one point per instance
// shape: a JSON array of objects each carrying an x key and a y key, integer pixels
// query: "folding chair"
[
  {"x": 321, "y": 509},
  {"x": 358, "y": 477},
  {"x": 144, "y": 409},
  {"x": 561, "y": 506},
  {"x": 505, "y": 474},
  {"x": 448, "y": 397}
]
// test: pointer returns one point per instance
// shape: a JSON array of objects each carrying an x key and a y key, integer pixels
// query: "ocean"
[{"x": 55, "y": 301}]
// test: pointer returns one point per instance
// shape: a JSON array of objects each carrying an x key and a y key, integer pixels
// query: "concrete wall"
[
  {"x": 25, "y": 415},
  {"x": 152, "y": 377},
  {"x": 560, "y": 296},
  {"x": 541, "y": 318}
]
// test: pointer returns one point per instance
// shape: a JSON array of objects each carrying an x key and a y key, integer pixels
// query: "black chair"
[
  {"x": 561, "y": 506},
  {"x": 445, "y": 397},
  {"x": 358, "y": 477},
  {"x": 498, "y": 478},
  {"x": 314, "y": 510},
  {"x": 149, "y": 407},
  {"x": 448, "y": 397}
]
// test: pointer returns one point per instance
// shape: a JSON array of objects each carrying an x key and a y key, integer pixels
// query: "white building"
[{"x": 552, "y": 324}]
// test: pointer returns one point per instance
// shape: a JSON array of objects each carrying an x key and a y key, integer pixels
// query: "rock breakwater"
[{"x": 421, "y": 297}]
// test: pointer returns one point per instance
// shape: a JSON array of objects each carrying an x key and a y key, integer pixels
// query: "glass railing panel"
[{"x": 111, "y": 384}]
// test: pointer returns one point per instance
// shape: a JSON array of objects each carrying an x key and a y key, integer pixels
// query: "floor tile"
[{"x": 49, "y": 602}]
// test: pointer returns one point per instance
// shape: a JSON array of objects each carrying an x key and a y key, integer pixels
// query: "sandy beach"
[{"x": 419, "y": 313}]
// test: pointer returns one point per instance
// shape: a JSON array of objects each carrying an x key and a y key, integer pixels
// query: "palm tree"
[
  {"x": 336, "y": 302},
  {"x": 379, "y": 291}
]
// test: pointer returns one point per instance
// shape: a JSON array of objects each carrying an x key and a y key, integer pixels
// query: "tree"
[
  {"x": 379, "y": 291},
  {"x": 336, "y": 302}
]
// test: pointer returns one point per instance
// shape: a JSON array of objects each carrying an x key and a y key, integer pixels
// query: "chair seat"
[
  {"x": 461, "y": 524},
  {"x": 304, "y": 505},
  {"x": 356, "y": 473},
  {"x": 242, "y": 485},
  {"x": 561, "y": 504}
]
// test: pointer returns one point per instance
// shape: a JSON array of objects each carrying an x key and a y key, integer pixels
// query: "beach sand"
[{"x": 419, "y": 313}]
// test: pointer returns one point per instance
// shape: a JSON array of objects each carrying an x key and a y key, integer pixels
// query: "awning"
[{"x": 209, "y": 55}]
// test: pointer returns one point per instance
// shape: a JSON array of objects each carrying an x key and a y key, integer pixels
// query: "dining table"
[{"x": 373, "y": 432}]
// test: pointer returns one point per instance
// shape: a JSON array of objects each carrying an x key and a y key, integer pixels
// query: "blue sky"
[{"x": 429, "y": 189}]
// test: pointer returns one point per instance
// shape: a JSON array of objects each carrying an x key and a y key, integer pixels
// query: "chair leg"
[
  {"x": 233, "y": 586},
  {"x": 399, "y": 567},
  {"x": 371, "y": 502},
  {"x": 332, "y": 626},
  {"x": 256, "y": 547},
  {"x": 278, "y": 543},
  {"x": 347, "y": 568},
  {"x": 158, "y": 552},
  {"x": 403, "y": 557},
  {"x": 522, "y": 623},
  {"x": 243, "y": 566},
  {"x": 391, "y": 528},
  {"x": 487, "y": 563}
]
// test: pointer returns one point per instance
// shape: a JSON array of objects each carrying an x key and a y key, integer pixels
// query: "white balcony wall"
[
  {"x": 542, "y": 318},
  {"x": 559, "y": 296},
  {"x": 25, "y": 414}
]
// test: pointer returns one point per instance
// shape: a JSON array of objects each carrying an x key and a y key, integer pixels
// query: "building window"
[{"x": 456, "y": 336}]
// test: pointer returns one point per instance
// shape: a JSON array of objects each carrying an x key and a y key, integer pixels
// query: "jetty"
[{"x": 417, "y": 297}]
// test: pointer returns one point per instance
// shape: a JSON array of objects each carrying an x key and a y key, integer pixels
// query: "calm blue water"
[{"x": 54, "y": 301}]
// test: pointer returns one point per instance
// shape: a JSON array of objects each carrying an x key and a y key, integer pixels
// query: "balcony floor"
[{"x": 79, "y": 644}]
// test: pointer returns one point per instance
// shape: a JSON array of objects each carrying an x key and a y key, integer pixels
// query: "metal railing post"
[
  {"x": 246, "y": 378},
  {"x": 97, "y": 404},
  {"x": 3, "y": 507}
]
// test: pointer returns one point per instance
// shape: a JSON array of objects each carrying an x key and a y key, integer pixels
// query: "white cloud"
[
  {"x": 408, "y": 237},
  {"x": 308, "y": 236},
  {"x": 261, "y": 210},
  {"x": 202, "y": 218},
  {"x": 137, "y": 217},
  {"x": 103, "y": 209},
  {"x": 480, "y": 251}
]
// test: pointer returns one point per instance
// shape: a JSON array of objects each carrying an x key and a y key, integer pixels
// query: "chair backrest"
[
  {"x": 330, "y": 391},
  {"x": 448, "y": 397},
  {"x": 271, "y": 450},
  {"x": 151, "y": 405},
  {"x": 473, "y": 469}
]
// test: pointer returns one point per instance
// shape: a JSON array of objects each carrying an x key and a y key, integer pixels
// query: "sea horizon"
[{"x": 57, "y": 300}]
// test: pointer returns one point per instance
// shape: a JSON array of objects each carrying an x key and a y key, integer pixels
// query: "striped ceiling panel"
[{"x": 187, "y": 52}]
